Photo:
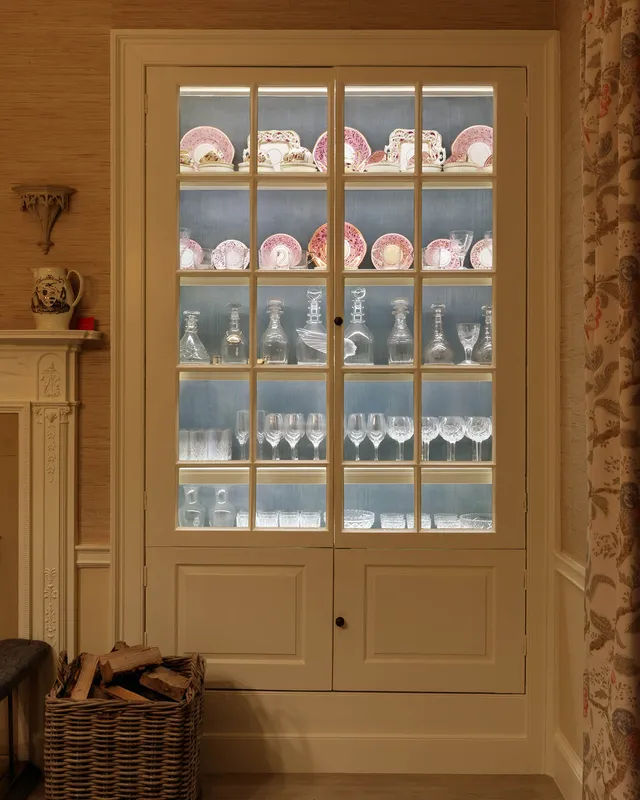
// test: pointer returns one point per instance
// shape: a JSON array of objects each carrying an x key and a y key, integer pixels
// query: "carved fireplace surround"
[{"x": 38, "y": 382}]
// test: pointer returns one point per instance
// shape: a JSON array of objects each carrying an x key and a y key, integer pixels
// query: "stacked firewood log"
[{"x": 134, "y": 674}]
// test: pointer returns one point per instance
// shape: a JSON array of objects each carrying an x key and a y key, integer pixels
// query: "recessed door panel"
[
  {"x": 261, "y": 618},
  {"x": 429, "y": 621}
]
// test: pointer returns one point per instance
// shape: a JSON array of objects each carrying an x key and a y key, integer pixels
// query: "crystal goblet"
[
  {"x": 400, "y": 429},
  {"x": 452, "y": 429},
  {"x": 430, "y": 431},
  {"x": 468, "y": 333},
  {"x": 478, "y": 429}
]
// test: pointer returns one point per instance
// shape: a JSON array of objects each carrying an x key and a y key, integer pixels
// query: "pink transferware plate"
[
  {"x": 280, "y": 251},
  {"x": 482, "y": 254},
  {"x": 191, "y": 256},
  {"x": 356, "y": 151},
  {"x": 437, "y": 255},
  {"x": 231, "y": 254},
  {"x": 474, "y": 145},
  {"x": 392, "y": 251},
  {"x": 203, "y": 139},
  {"x": 355, "y": 247}
]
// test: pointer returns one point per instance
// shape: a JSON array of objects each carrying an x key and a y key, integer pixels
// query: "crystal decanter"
[
  {"x": 357, "y": 332},
  {"x": 311, "y": 347},
  {"x": 222, "y": 514},
  {"x": 192, "y": 513},
  {"x": 438, "y": 351},
  {"x": 234, "y": 346},
  {"x": 483, "y": 353},
  {"x": 275, "y": 345},
  {"x": 192, "y": 351},
  {"x": 400, "y": 340}
]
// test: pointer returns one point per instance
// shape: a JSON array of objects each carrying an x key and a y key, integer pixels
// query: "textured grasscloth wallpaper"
[
  {"x": 54, "y": 127},
  {"x": 574, "y": 449}
]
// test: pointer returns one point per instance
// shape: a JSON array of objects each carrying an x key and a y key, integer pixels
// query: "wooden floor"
[
  {"x": 374, "y": 787},
  {"x": 379, "y": 787}
]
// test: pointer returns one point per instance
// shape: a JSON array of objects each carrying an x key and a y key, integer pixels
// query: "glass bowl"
[
  {"x": 242, "y": 519},
  {"x": 392, "y": 521},
  {"x": 446, "y": 521},
  {"x": 481, "y": 522},
  {"x": 267, "y": 519},
  {"x": 355, "y": 518},
  {"x": 289, "y": 519},
  {"x": 310, "y": 519}
]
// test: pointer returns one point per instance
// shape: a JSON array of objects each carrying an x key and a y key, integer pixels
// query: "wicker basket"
[{"x": 114, "y": 750}]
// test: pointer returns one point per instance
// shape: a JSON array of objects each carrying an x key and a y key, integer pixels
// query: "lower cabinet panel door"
[
  {"x": 429, "y": 621},
  {"x": 262, "y": 617}
]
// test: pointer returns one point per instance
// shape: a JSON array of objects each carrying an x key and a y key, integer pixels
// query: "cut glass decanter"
[
  {"x": 357, "y": 332},
  {"x": 191, "y": 513},
  {"x": 483, "y": 353},
  {"x": 192, "y": 351},
  {"x": 400, "y": 340},
  {"x": 275, "y": 345},
  {"x": 438, "y": 351},
  {"x": 222, "y": 514},
  {"x": 311, "y": 347},
  {"x": 234, "y": 345}
]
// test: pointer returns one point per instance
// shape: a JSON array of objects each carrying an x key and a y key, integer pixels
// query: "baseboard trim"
[
  {"x": 567, "y": 768},
  {"x": 367, "y": 754}
]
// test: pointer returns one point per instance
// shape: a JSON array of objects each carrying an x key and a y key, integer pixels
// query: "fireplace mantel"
[{"x": 38, "y": 382}]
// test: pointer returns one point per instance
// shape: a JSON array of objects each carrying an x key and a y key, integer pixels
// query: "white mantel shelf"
[
  {"x": 51, "y": 338},
  {"x": 39, "y": 383}
]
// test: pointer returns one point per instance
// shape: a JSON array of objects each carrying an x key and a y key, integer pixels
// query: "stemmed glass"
[
  {"x": 260, "y": 418},
  {"x": 452, "y": 429},
  {"x": 274, "y": 431},
  {"x": 460, "y": 244},
  {"x": 294, "y": 428},
  {"x": 316, "y": 432},
  {"x": 376, "y": 431},
  {"x": 430, "y": 431},
  {"x": 468, "y": 333},
  {"x": 400, "y": 429},
  {"x": 242, "y": 432},
  {"x": 357, "y": 430},
  {"x": 478, "y": 429}
]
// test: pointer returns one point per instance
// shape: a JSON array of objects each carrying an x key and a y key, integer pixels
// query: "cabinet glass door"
[
  {"x": 432, "y": 397},
  {"x": 240, "y": 361}
]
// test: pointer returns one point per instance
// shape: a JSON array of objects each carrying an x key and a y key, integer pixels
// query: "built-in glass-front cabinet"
[{"x": 335, "y": 376}]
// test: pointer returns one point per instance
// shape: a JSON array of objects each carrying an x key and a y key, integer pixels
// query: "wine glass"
[
  {"x": 260, "y": 417},
  {"x": 478, "y": 429},
  {"x": 430, "y": 431},
  {"x": 357, "y": 430},
  {"x": 376, "y": 431},
  {"x": 468, "y": 333},
  {"x": 400, "y": 429},
  {"x": 460, "y": 244},
  {"x": 294, "y": 427},
  {"x": 452, "y": 429},
  {"x": 274, "y": 431},
  {"x": 316, "y": 432},
  {"x": 242, "y": 432}
]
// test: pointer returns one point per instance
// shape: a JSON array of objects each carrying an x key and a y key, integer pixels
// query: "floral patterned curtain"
[{"x": 610, "y": 100}]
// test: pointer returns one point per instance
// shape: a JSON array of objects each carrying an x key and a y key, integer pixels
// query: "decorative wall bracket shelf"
[
  {"x": 45, "y": 204},
  {"x": 39, "y": 383}
]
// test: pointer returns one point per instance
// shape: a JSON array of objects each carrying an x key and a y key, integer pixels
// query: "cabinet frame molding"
[{"x": 132, "y": 52}]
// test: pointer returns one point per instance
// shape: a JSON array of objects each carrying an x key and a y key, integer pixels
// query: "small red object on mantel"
[{"x": 86, "y": 323}]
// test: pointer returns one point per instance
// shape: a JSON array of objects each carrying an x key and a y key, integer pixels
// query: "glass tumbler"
[{"x": 219, "y": 444}]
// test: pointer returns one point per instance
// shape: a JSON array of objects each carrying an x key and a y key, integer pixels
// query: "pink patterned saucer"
[
  {"x": 231, "y": 254},
  {"x": 191, "y": 256},
  {"x": 437, "y": 255},
  {"x": 392, "y": 251},
  {"x": 474, "y": 145},
  {"x": 205, "y": 138},
  {"x": 355, "y": 247},
  {"x": 356, "y": 151},
  {"x": 482, "y": 254},
  {"x": 280, "y": 251}
]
